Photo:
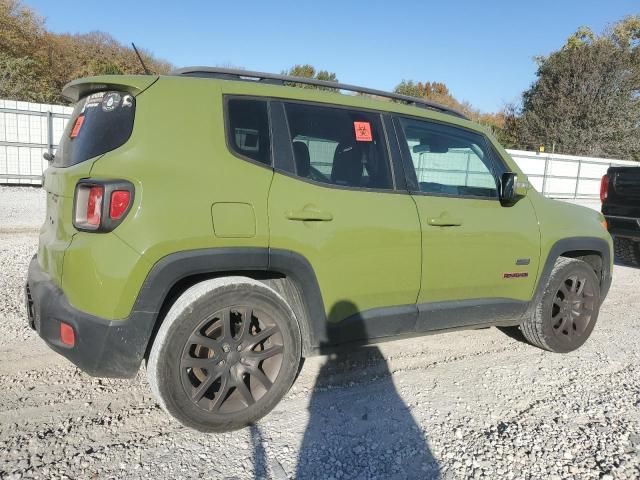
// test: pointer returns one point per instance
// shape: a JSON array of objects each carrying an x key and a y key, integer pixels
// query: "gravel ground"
[{"x": 474, "y": 404}]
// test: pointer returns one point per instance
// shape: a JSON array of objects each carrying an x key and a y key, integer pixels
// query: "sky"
[{"x": 482, "y": 50}]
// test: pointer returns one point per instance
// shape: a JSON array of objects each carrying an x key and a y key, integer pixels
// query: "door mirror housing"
[{"x": 512, "y": 188}]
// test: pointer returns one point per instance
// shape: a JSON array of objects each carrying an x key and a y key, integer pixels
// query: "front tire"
[
  {"x": 226, "y": 353},
  {"x": 567, "y": 313}
]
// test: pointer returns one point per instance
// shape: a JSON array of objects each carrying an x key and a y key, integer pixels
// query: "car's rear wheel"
[
  {"x": 228, "y": 350},
  {"x": 567, "y": 313},
  {"x": 627, "y": 250}
]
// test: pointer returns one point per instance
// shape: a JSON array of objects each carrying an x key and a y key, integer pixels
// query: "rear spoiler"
[{"x": 133, "y": 84}]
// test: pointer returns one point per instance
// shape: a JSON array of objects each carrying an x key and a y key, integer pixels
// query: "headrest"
[
  {"x": 303, "y": 161},
  {"x": 347, "y": 165}
]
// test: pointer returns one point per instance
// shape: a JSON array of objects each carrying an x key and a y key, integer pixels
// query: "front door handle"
[
  {"x": 444, "y": 220},
  {"x": 308, "y": 215}
]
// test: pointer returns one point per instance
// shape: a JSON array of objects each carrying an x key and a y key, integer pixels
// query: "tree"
[
  {"x": 308, "y": 71},
  {"x": 586, "y": 99},
  {"x": 36, "y": 64}
]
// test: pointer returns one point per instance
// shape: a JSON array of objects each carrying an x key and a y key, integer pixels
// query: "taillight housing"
[
  {"x": 604, "y": 188},
  {"x": 101, "y": 205}
]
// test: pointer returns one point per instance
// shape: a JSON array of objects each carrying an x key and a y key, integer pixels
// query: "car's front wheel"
[
  {"x": 227, "y": 351},
  {"x": 567, "y": 313}
]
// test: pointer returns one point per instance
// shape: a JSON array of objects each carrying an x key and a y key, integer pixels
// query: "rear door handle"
[
  {"x": 444, "y": 221},
  {"x": 307, "y": 215}
]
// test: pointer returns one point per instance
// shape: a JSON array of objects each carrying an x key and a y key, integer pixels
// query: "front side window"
[
  {"x": 338, "y": 146},
  {"x": 248, "y": 129},
  {"x": 449, "y": 160}
]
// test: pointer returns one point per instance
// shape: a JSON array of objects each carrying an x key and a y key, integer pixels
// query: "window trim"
[
  {"x": 412, "y": 179},
  {"x": 387, "y": 147},
  {"x": 227, "y": 129}
]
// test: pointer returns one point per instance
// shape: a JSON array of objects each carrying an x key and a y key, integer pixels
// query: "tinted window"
[
  {"x": 338, "y": 146},
  {"x": 100, "y": 123},
  {"x": 449, "y": 160},
  {"x": 248, "y": 129}
]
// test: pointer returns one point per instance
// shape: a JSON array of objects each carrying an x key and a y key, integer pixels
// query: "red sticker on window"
[
  {"x": 76, "y": 126},
  {"x": 363, "y": 131}
]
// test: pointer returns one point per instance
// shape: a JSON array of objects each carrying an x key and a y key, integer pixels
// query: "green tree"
[
  {"x": 308, "y": 71},
  {"x": 586, "y": 98}
]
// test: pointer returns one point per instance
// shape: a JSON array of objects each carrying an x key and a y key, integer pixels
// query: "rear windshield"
[{"x": 100, "y": 123}]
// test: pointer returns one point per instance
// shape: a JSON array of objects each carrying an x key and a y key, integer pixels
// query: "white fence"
[
  {"x": 27, "y": 130},
  {"x": 565, "y": 176}
]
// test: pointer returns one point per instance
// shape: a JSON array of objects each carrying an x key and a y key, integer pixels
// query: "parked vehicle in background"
[
  {"x": 620, "y": 197},
  {"x": 222, "y": 228}
]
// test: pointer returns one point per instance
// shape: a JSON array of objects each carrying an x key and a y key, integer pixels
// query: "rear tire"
[
  {"x": 567, "y": 313},
  {"x": 627, "y": 250},
  {"x": 226, "y": 353}
]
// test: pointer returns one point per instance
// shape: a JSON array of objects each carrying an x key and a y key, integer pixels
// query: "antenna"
[{"x": 144, "y": 67}]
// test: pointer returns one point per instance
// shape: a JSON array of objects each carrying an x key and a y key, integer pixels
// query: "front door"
[
  {"x": 479, "y": 258},
  {"x": 339, "y": 209}
]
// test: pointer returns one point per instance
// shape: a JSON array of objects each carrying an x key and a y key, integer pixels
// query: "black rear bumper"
[{"x": 103, "y": 348}]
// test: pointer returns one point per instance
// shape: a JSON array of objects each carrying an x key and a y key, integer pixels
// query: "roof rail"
[{"x": 274, "y": 78}]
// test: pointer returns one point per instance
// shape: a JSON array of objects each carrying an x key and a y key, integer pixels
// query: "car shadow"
[{"x": 359, "y": 426}]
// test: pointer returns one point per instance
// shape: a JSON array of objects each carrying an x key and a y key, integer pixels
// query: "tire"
[
  {"x": 567, "y": 313},
  {"x": 226, "y": 353},
  {"x": 627, "y": 250}
]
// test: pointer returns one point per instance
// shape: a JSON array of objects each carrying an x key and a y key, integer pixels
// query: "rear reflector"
[
  {"x": 67, "y": 335},
  {"x": 119, "y": 203},
  {"x": 604, "y": 188}
]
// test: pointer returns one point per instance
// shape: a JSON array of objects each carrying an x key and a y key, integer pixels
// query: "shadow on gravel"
[{"x": 359, "y": 426}]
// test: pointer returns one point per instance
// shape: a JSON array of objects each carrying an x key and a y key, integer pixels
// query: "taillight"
[
  {"x": 119, "y": 203},
  {"x": 88, "y": 214},
  {"x": 604, "y": 188},
  {"x": 101, "y": 205}
]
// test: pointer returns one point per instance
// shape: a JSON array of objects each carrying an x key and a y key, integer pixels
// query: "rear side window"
[
  {"x": 248, "y": 129},
  {"x": 339, "y": 146},
  {"x": 100, "y": 123}
]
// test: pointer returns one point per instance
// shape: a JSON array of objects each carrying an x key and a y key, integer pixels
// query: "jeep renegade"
[{"x": 222, "y": 225}]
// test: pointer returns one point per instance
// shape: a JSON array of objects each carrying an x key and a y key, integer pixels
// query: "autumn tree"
[
  {"x": 586, "y": 98},
  {"x": 35, "y": 64}
]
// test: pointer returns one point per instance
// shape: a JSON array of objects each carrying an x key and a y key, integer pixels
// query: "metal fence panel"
[{"x": 27, "y": 130}]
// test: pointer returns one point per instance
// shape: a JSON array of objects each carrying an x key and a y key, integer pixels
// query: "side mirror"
[{"x": 512, "y": 188}]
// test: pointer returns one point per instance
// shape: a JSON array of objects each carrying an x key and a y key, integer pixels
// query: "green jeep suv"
[{"x": 222, "y": 225}]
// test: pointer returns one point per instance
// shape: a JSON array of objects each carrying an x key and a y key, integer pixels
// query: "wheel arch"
[
  {"x": 593, "y": 250},
  {"x": 288, "y": 273}
]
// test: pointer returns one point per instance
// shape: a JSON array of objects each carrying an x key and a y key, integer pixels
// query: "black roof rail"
[{"x": 278, "y": 79}]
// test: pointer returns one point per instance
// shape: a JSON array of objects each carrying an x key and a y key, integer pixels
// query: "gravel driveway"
[{"x": 472, "y": 404}]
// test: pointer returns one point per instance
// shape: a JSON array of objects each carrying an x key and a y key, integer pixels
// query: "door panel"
[
  {"x": 365, "y": 248},
  {"x": 468, "y": 258},
  {"x": 479, "y": 258}
]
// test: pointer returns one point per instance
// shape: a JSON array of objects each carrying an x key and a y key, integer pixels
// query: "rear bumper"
[{"x": 103, "y": 348}]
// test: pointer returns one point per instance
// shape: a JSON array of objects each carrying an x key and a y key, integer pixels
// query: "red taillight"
[
  {"x": 101, "y": 205},
  {"x": 67, "y": 335},
  {"x": 119, "y": 203},
  {"x": 604, "y": 188},
  {"x": 88, "y": 214},
  {"x": 94, "y": 205}
]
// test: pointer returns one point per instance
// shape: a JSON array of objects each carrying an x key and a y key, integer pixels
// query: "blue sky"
[{"x": 482, "y": 50}]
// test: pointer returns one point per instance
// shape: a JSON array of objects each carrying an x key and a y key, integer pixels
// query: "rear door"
[
  {"x": 479, "y": 258},
  {"x": 340, "y": 209}
]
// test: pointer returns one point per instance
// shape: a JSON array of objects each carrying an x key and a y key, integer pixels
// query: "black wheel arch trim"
[
  {"x": 176, "y": 267},
  {"x": 568, "y": 245}
]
